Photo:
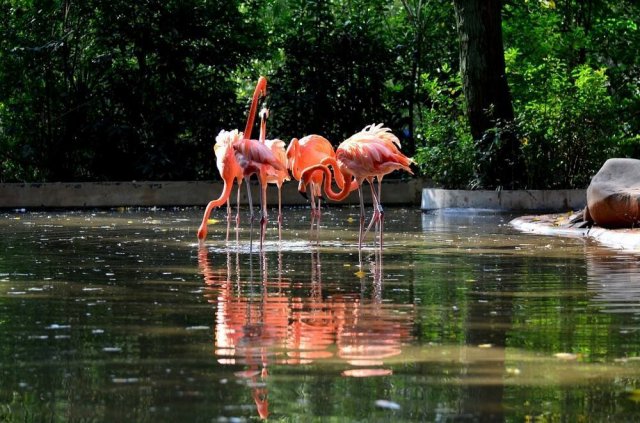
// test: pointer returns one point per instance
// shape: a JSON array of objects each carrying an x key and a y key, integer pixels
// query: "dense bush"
[{"x": 446, "y": 149}]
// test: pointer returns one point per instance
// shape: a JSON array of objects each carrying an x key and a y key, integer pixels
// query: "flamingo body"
[
  {"x": 275, "y": 176},
  {"x": 306, "y": 152},
  {"x": 230, "y": 165}
]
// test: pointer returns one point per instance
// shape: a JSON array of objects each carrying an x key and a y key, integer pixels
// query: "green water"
[{"x": 120, "y": 316}]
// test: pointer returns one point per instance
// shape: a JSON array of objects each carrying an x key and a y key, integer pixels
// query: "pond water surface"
[{"x": 120, "y": 316}]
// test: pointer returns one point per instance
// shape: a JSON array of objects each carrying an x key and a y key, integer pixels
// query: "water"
[{"x": 119, "y": 316}]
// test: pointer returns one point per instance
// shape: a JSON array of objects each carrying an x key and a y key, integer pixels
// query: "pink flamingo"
[
  {"x": 238, "y": 153},
  {"x": 230, "y": 171},
  {"x": 254, "y": 157},
  {"x": 275, "y": 176},
  {"x": 304, "y": 153},
  {"x": 367, "y": 155}
]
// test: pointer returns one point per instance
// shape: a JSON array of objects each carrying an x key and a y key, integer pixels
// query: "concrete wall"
[
  {"x": 115, "y": 194},
  {"x": 394, "y": 192},
  {"x": 548, "y": 200}
]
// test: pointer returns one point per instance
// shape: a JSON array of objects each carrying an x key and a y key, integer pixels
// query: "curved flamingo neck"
[
  {"x": 261, "y": 90},
  {"x": 224, "y": 196},
  {"x": 338, "y": 176},
  {"x": 328, "y": 190}
]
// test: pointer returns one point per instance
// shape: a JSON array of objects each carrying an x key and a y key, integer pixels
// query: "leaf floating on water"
[
  {"x": 350, "y": 219},
  {"x": 513, "y": 371},
  {"x": 360, "y": 274},
  {"x": 635, "y": 395},
  {"x": 566, "y": 356},
  {"x": 390, "y": 405},
  {"x": 485, "y": 345},
  {"x": 213, "y": 221}
]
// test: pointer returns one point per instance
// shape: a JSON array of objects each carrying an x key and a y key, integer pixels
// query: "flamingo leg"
[
  {"x": 377, "y": 215},
  {"x": 312, "y": 198},
  {"x": 279, "y": 213},
  {"x": 263, "y": 206},
  {"x": 252, "y": 216},
  {"x": 238, "y": 206},
  {"x": 313, "y": 201},
  {"x": 361, "y": 226},
  {"x": 228, "y": 218},
  {"x": 381, "y": 211}
]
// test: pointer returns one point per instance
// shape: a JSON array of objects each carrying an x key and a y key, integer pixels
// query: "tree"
[
  {"x": 489, "y": 106},
  {"x": 335, "y": 67},
  {"x": 119, "y": 90}
]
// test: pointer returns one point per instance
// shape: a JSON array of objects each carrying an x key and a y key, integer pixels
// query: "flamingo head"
[{"x": 202, "y": 234}]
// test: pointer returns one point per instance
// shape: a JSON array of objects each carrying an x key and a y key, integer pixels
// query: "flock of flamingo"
[{"x": 368, "y": 155}]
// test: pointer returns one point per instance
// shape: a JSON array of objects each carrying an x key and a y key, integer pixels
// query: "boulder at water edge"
[{"x": 613, "y": 197}]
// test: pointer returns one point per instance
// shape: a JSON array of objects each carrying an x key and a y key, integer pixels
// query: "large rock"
[{"x": 613, "y": 197}]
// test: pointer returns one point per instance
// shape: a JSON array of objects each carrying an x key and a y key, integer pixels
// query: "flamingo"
[
  {"x": 227, "y": 162},
  {"x": 304, "y": 153},
  {"x": 255, "y": 157},
  {"x": 230, "y": 171},
  {"x": 274, "y": 176},
  {"x": 367, "y": 155}
]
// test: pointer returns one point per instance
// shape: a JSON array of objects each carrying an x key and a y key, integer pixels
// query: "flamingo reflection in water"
[{"x": 275, "y": 322}]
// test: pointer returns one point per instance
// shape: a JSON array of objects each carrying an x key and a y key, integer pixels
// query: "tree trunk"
[{"x": 489, "y": 106}]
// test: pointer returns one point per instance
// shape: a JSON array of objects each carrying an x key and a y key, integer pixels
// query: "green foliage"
[
  {"x": 335, "y": 64},
  {"x": 98, "y": 90},
  {"x": 570, "y": 130},
  {"x": 571, "y": 116},
  {"x": 117, "y": 90},
  {"x": 446, "y": 149}
]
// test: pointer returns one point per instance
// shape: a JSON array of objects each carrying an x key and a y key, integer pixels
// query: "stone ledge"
[
  {"x": 174, "y": 193},
  {"x": 505, "y": 200}
]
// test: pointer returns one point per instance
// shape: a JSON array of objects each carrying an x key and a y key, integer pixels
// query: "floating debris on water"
[{"x": 389, "y": 405}]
